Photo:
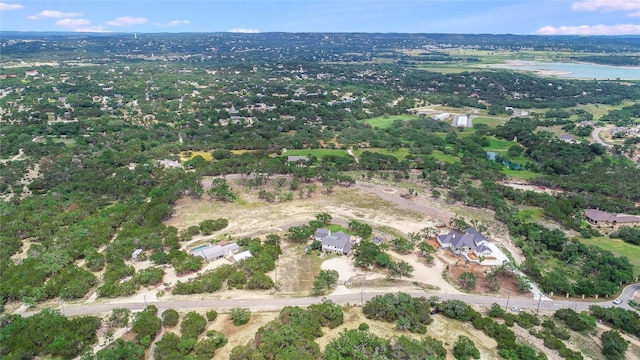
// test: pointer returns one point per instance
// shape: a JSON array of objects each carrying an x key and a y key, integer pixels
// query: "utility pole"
[
  {"x": 362, "y": 291},
  {"x": 506, "y": 307},
  {"x": 539, "y": 299},
  {"x": 61, "y": 306},
  {"x": 145, "y": 301}
]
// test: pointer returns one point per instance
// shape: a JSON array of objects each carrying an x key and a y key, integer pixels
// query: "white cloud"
[
  {"x": 620, "y": 29},
  {"x": 127, "y": 21},
  {"x": 7, "y": 7},
  {"x": 91, "y": 29},
  {"x": 53, "y": 14},
  {"x": 73, "y": 23},
  {"x": 607, "y": 6},
  {"x": 173, "y": 23},
  {"x": 246, "y": 31}
]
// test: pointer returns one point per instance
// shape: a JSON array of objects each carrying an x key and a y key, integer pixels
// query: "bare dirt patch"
[
  {"x": 296, "y": 269},
  {"x": 238, "y": 335},
  {"x": 457, "y": 266}
]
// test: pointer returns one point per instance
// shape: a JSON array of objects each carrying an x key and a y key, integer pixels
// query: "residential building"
[
  {"x": 599, "y": 217},
  {"x": 471, "y": 241},
  {"x": 338, "y": 242}
]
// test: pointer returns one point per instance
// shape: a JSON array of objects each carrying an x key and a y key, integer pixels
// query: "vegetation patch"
[{"x": 386, "y": 121}]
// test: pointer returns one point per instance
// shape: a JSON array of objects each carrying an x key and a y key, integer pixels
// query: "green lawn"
[
  {"x": 316, "y": 152},
  {"x": 335, "y": 228},
  {"x": 531, "y": 214},
  {"x": 490, "y": 122},
  {"x": 618, "y": 248},
  {"x": 385, "y": 122},
  {"x": 188, "y": 155},
  {"x": 499, "y": 145},
  {"x": 400, "y": 154},
  {"x": 520, "y": 174},
  {"x": 439, "y": 155}
]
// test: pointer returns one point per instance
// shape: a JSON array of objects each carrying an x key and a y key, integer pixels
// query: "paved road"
[
  {"x": 353, "y": 299},
  {"x": 595, "y": 134}
]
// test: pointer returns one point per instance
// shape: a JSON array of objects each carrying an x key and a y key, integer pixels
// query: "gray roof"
[
  {"x": 341, "y": 235},
  {"x": 599, "y": 215},
  {"x": 377, "y": 240},
  {"x": 339, "y": 242},
  {"x": 215, "y": 251},
  {"x": 469, "y": 239},
  {"x": 321, "y": 233},
  {"x": 294, "y": 158}
]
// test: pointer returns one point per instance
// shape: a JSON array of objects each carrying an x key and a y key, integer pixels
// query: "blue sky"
[{"x": 548, "y": 17}]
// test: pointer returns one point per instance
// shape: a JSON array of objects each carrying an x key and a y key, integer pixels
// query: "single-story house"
[
  {"x": 338, "y": 243},
  {"x": 297, "y": 160},
  {"x": 216, "y": 251},
  {"x": 599, "y": 217},
  {"x": 242, "y": 256},
  {"x": 568, "y": 138},
  {"x": 471, "y": 241}
]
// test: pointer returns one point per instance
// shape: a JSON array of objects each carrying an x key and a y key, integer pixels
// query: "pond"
[{"x": 574, "y": 70}]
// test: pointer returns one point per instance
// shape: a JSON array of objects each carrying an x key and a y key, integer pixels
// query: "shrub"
[
  {"x": 240, "y": 316},
  {"x": 170, "y": 318},
  {"x": 363, "y": 327},
  {"x": 193, "y": 324},
  {"x": 211, "y": 315},
  {"x": 465, "y": 349}
]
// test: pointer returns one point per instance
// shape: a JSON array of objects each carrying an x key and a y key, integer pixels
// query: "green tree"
[
  {"x": 465, "y": 349},
  {"x": 212, "y": 315},
  {"x": 613, "y": 345},
  {"x": 398, "y": 269},
  {"x": 192, "y": 325},
  {"x": 120, "y": 350},
  {"x": 468, "y": 280},
  {"x": 325, "y": 279},
  {"x": 240, "y": 316},
  {"x": 146, "y": 324},
  {"x": 170, "y": 318},
  {"x": 325, "y": 218}
]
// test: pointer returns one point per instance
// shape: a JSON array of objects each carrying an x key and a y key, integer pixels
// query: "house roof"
[
  {"x": 599, "y": 215},
  {"x": 243, "y": 255},
  {"x": 321, "y": 233},
  {"x": 471, "y": 239},
  {"x": 294, "y": 158},
  {"x": 215, "y": 251},
  {"x": 338, "y": 242}
]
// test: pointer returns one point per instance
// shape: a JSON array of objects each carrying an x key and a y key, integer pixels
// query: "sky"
[{"x": 523, "y": 17}]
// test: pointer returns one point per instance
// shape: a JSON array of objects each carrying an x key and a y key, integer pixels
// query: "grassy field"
[
  {"x": 618, "y": 248},
  {"x": 499, "y": 145},
  {"x": 490, "y": 122},
  {"x": 188, "y": 155},
  {"x": 599, "y": 110},
  {"x": 400, "y": 154},
  {"x": 385, "y": 122},
  {"x": 439, "y": 155},
  {"x": 316, "y": 152},
  {"x": 520, "y": 174},
  {"x": 534, "y": 214}
]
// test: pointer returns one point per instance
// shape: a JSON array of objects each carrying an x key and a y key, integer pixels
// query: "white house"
[
  {"x": 471, "y": 241},
  {"x": 339, "y": 242}
]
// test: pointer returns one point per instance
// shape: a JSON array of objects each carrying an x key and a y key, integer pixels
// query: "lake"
[{"x": 574, "y": 70}]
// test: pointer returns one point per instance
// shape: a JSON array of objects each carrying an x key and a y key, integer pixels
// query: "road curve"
[
  {"x": 275, "y": 304},
  {"x": 595, "y": 134}
]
